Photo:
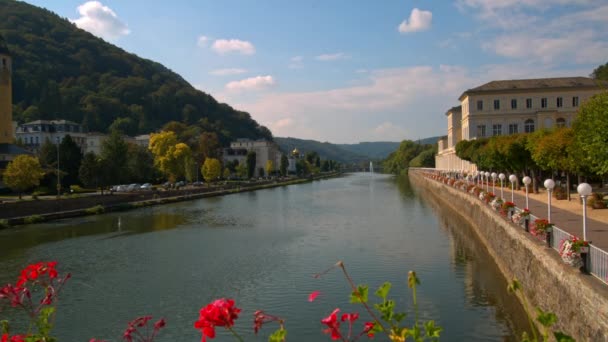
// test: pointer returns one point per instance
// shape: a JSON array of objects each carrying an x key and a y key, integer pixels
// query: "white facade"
[
  {"x": 33, "y": 134},
  {"x": 264, "y": 151},
  {"x": 511, "y": 107},
  {"x": 94, "y": 142}
]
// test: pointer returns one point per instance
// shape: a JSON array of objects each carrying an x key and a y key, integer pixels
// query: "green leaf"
[
  {"x": 561, "y": 337},
  {"x": 386, "y": 309},
  {"x": 278, "y": 336},
  {"x": 514, "y": 286},
  {"x": 432, "y": 331},
  {"x": 399, "y": 316},
  {"x": 547, "y": 319},
  {"x": 361, "y": 295},
  {"x": 412, "y": 279},
  {"x": 5, "y": 326},
  {"x": 383, "y": 290}
]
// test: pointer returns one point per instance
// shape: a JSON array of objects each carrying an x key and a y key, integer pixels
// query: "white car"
[{"x": 146, "y": 186}]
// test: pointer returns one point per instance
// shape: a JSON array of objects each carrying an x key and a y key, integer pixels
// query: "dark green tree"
[
  {"x": 70, "y": 157},
  {"x": 601, "y": 72},
  {"x": 90, "y": 170},
  {"x": 284, "y": 165},
  {"x": 141, "y": 164},
  {"x": 591, "y": 133},
  {"x": 114, "y": 155},
  {"x": 251, "y": 160}
]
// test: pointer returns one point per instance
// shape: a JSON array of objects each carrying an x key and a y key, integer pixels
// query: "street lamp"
[
  {"x": 527, "y": 180},
  {"x": 494, "y": 182},
  {"x": 584, "y": 190},
  {"x": 487, "y": 174},
  {"x": 549, "y": 184},
  {"x": 502, "y": 181},
  {"x": 512, "y": 179}
]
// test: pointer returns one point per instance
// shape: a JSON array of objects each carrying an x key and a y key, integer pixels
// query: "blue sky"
[{"x": 347, "y": 71}]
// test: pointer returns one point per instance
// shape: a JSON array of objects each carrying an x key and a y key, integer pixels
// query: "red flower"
[
  {"x": 16, "y": 338},
  {"x": 313, "y": 296},
  {"x": 160, "y": 324},
  {"x": 33, "y": 271},
  {"x": 368, "y": 329},
  {"x": 333, "y": 325},
  {"x": 351, "y": 317},
  {"x": 220, "y": 313}
]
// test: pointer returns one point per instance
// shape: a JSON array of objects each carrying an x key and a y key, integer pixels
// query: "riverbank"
[
  {"x": 36, "y": 211},
  {"x": 579, "y": 301}
]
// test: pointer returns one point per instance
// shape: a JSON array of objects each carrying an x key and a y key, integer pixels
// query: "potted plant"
[
  {"x": 541, "y": 228},
  {"x": 522, "y": 216},
  {"x": 496, "y": 203},
  {"x": 508, "y": 208},
  {"x": 570, "y": 250}
]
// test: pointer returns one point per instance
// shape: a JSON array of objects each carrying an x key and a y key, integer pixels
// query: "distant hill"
[
  {"x": 61, "y": 71},
  {"x": 346, "y": 153}
]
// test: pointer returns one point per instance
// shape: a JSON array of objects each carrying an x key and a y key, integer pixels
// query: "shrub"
[
  {"x": 76, "y": 189},
  {"x": 98, "y": 209},
  {"x": 33, "y": 219},
  {"x": 4, "y": 224},
  {"x": 559, "y": 193}
]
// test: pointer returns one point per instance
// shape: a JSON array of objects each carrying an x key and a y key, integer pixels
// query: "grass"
[
  {"x": 98, "y": 209},
  {"x": 33, "y": 219}
]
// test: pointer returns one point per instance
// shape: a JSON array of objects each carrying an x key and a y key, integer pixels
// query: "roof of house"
[
  {"x": 453, "y": 109},
  {"x": 535, "y": 84},
  {"x": 12, "y": 149},
  {"x": 51, "y": 122},
  {"x": 3, "y": 47}
]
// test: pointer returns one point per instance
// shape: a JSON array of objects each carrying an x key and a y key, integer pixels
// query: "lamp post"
[
  {"x": 584, "y": 190},
  {"x": 502, "y": 181},
  {"x": 549, "y": 184},
  {"x": 494, "y": 182},
  {"x": 487, "y": 174},
  {"x": 527, "y": 180},
  {"x": 512, "y": 179}
]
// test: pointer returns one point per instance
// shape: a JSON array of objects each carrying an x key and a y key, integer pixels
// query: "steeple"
[{"x": 6, "y": 94}]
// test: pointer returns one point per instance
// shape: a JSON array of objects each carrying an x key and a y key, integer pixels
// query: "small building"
[
  {"x": 143, "y": 140},
  {"x": 94, "y": 142},
  {"x": 264, "y": 151}
]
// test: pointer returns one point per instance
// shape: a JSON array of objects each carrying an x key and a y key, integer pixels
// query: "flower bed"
[{"x": 570, "y": 250}]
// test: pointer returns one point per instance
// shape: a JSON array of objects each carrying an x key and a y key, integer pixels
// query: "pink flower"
[
  {"x": 313, "y": 296},
  {"x": 220, "y": 313}
]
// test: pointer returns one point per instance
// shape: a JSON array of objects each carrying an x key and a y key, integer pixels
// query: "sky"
[{"x": 346, "y": 71}]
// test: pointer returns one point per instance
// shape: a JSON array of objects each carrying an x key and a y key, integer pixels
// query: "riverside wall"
[{"x": 580, "y": 301}]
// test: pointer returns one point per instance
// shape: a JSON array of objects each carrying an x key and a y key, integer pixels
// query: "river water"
[{"x": 262, "y": 249}]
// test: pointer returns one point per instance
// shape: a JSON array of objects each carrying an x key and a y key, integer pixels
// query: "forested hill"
[{"x": 61, "y": 71}]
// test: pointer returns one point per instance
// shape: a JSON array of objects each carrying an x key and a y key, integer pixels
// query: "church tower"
[{"x": 6, "y": 95}]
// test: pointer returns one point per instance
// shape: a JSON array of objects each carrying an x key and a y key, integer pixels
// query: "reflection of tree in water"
[
  {"x": 485, "y": 286},
  {"x": 404, "y": 186}
]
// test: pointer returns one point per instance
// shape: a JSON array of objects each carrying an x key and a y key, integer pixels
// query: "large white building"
[
  {"x": 264, "y": 151},
  {"x": 510, "y": 107},
  {"x": 35, "y": 133}
]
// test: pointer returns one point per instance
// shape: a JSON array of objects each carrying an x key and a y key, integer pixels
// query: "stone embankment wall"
[{"x": 579, "y": 301}]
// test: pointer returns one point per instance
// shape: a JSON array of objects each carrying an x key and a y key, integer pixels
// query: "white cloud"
[
  {"x": 389, "y": 131},
  {"x": 227, "y": 72},
  {"x": 202, "y": 41},
  {"x": 100, "y": 20},
  {"x": 252, "y": 83},
  {"x": 332, "y": 57},
  {"x": 296, "y": 62},
  {"x": 224, "y": 46},
  {"x": 418, "y": 21},
  {"x": 283, "y": 123}
]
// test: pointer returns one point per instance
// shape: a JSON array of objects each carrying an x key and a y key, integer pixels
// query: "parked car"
[
  {"x": 180, "y": 184},
  {"x": 198, "y": 183},
  {"x": 133, "y": 187},
  {"x": 146, "y": 186}
]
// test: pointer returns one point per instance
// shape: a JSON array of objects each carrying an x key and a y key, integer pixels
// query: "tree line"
[{"x": 410, "y": 154}]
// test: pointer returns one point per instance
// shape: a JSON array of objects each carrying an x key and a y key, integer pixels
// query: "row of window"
[
  {"x": 529, "y": 127},
  {"x": 543, "y": 103},
  {"x": 51, "y": 128}
]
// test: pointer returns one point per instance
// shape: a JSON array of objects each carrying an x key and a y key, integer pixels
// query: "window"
[
  {"x": 37, "y": 141},
  {"x": 560, "y": 122},
  {"x": 513, "y": 103},
  {"x": 513, "y": 129},
  {"x": 496, "y": 129},
  {"x": 528, "y": 103},
  {"x": 4, "y": 62},
  {"x": 543, "y": 102},
  {"x": 560, "y": 102},
  {"x": 529, "y": 126},
  {"x": 479, "y": 105},
  {"x": 575, "y": 101},
  {"x": 481, "y": 131},
  {"x": 496, "y": 104}
]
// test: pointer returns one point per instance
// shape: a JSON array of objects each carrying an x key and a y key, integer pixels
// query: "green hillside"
[
  {"x": 63, "y": 71},
  {"x": 373, "y": 150},
  {"x": 324, "y": 149}
]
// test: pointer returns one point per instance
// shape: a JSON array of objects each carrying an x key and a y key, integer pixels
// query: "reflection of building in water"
[{"x": 510, "y": 107}]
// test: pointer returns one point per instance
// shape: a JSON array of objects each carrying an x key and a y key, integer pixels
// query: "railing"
[{"x": 597, "y": 259}]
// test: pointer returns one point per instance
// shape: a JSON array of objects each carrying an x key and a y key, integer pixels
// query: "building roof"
[
  {"x": 453, "y": 109},
  {"x": 534, "y": 84},
  {"x": 51, "y": 122},
  {"x": 12, "y": 149},
  {"x": 4, "y": 47}
]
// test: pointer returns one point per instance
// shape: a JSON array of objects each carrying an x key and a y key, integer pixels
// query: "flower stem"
[{"x": 238, "y": 337}]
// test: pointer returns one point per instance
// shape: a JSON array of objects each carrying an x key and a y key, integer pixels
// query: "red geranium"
[
  {"x": 333, "y": 325},
  {"x": 220, "y": 313}
]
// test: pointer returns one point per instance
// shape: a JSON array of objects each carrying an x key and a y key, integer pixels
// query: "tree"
[
  {"x": 284, "y": 165},
  {"x": 226, "y": 174},
  {"x": 591, "y": 133},
  {"x": 269, "y": 167},
  {"x": 114, "y": 155},
  {"x": 141, "y": 164},
  {"x": 170, "y": 157},
  {"x": 251, "y": 161},
  {"x": 22, "y": 173},
  {"x": 241, "y": 170},
  {"x": 90, "y": 170},
  {"x": 601, "y": 72},
  {"x": 211, "y": 169},
  {"x": 208, "y": 145},
  {"x": 70, "y": 156}
]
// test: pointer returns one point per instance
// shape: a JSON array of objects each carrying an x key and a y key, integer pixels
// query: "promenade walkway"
[{"x": 567, "y": 215}]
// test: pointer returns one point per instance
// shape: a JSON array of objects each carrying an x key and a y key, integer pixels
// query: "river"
[{"x": 262, "y": 249}]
